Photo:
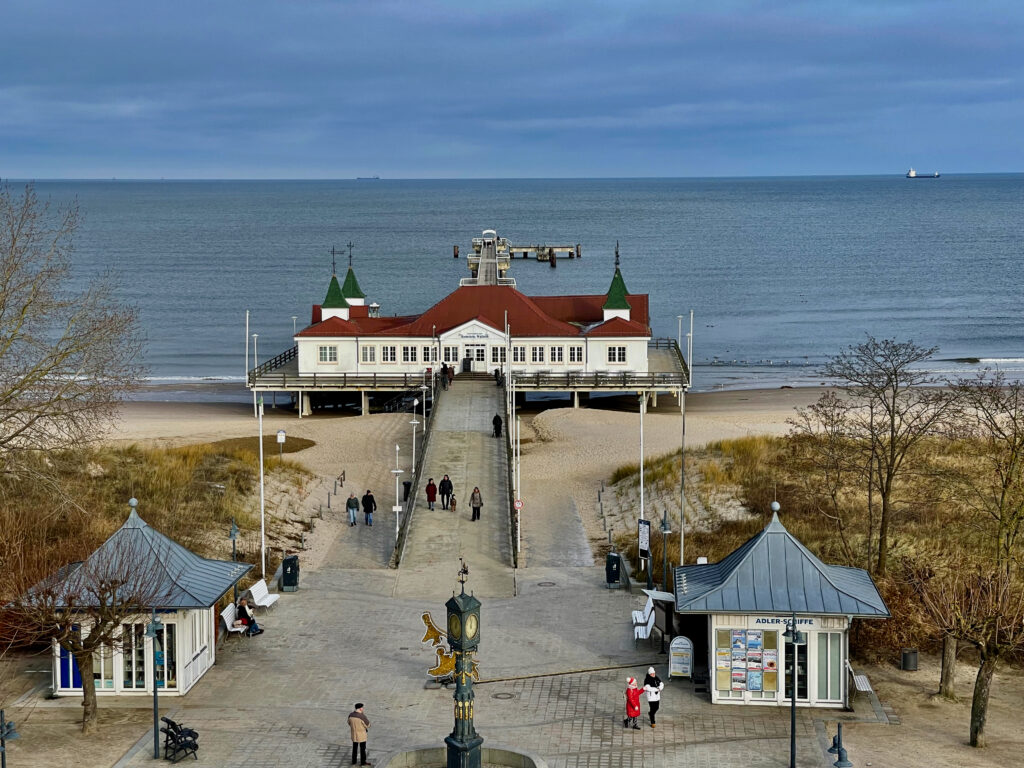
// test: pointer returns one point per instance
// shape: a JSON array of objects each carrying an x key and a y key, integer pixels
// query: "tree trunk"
[
  {"x": 979, "y": 705},
  {"x": 947, "y": 678},
  {"x": 83, "y": 661},
  {"x": 883, "y": 537}
]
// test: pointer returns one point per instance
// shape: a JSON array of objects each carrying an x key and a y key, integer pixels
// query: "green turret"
[{"x": 617, "y": 290}]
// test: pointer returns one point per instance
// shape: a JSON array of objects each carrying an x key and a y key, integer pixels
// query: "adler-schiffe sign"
[{"x": 644, "y": 538}]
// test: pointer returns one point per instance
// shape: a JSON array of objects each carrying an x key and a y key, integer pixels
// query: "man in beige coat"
[{"x": 359, "y": 725}]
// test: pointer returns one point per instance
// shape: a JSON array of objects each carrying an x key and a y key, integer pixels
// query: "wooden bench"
[
  {"x": 261, "y": 597},
  {"x": 860, "y": 682},
  {"x": 229, "y": 615}
]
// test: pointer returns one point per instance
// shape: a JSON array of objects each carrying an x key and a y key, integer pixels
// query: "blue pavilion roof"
[
  {"x": 176, "y": 577},
  {"x": 774, "y": 573}
]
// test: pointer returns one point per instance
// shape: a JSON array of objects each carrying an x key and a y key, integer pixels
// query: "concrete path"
[{"x": 462, "y": 447}]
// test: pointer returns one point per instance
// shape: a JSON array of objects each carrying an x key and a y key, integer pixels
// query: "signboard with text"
[
  {"x": 680, "y": 657},
  {"x": 644, "y": 538}
]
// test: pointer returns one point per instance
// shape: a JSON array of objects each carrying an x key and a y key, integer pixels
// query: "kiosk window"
[
  {"x": 746, "y": 662},
  {"x": 830, "y": 665}
]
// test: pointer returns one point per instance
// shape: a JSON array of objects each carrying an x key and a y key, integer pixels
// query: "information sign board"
[
  {"x": 644, "y": 538},
  {"x": 680, "y": 663},
  {"x": 280, "y": 435}
]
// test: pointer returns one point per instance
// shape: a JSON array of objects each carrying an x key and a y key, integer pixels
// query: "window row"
[{"x": 328, "y": 353}]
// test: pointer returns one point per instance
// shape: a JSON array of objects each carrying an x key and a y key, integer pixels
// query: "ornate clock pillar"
[{"x": 463, "y": 638}]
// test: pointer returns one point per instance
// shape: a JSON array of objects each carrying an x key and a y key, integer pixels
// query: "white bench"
[
  {"x": 860, "y": 682},
  {"x": 643, "y": 621},
  {"x": 229, "y": 615},
  {"x": 261, "y": 597}
]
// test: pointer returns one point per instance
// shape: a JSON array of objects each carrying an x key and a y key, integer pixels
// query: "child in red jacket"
[{"x": 632, "y": 704}]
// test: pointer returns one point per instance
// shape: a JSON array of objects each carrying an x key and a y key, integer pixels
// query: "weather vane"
[
  {"x": 463, "y": 574},
  {"x": 334, "y": 263},
  {"x": 350, "y": 254}
]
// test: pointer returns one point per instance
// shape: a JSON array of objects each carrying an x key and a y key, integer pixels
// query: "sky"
[{"x": 425, "y": 89}]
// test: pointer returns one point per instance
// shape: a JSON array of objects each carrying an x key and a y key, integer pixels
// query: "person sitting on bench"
[{"x": 248, "y": 619}]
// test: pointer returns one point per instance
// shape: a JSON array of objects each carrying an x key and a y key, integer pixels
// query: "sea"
[{"x": 780, "y": 273}]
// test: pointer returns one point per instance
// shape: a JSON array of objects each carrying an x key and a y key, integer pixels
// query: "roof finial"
[
  {"x": 616, "y": 254},
  {"x": 334, "y": 263},
  {"x": 350, "y": 254}
]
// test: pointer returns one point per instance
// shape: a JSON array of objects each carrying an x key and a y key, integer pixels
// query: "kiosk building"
[{"x": 736, "y": 612}]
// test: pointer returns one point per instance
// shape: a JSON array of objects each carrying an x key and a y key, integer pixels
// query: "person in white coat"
[{"x": 653, "y": 688}]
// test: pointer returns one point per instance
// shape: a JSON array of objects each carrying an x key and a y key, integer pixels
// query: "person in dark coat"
[
  {"x": 444, "y": 375},
  {"x": 446, "y": 490},
  {"x": 431, "y": 493},
  {"x": 653, "y": 688},
  {"x": 369, "y": 507},
  {"x": 496, "y": 422}
]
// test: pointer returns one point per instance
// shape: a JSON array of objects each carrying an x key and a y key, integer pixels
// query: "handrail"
[
  {"x": 269, "y": 365},
  {"x": 598, "y": 380}
]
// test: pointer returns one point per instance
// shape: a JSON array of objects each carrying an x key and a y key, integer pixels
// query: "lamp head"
[{"x": 234, "y": 530}]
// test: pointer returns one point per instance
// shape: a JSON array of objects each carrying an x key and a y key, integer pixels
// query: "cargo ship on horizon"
[{"x": 912, "y": 174}]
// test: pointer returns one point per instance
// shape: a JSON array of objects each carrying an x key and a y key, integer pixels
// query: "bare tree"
[
  {"x": 67, "y": 357},
  {"x": 828, "y": 457},
  {"x": 983, "y": 609},
  {"x": 893, "y": 410},
  {"x": 991, "y": 418},
  {"x": 83, "y": 607}
]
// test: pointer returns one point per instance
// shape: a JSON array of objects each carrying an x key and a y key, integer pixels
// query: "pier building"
[{"x": 574, "y": 344}]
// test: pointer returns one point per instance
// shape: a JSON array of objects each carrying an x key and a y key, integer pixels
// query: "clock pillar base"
[{"x": 463, "y": 754}]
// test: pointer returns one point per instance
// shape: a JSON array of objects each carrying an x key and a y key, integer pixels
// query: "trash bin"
[
  {"x": 909, "y": 660},
  {"x": 407, "y": 488},
  {"x": 289, "y": 574},
  {"x": 611, "y": 570}
]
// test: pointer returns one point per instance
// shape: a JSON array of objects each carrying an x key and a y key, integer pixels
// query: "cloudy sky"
[{"x": 420, "y": 88}]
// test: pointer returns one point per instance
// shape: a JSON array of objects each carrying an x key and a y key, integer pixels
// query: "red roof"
[
  {"x": 618, "y": 326},
  {"x": 589, "y": 309},
  {"x": 527, "y": 316},
  {"x": 487, "y": 303}
]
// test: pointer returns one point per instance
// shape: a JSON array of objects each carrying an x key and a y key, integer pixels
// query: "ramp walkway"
[{"x": 462, "y": 447}]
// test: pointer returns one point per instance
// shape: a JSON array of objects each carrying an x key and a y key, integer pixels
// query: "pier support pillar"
[
  {"x": 298, "y": 403},
  {"x": 304, "y": 409},
  {"x": 654, "y": 399},
  {"x": 575, "y": 399},
  {"x": 364, "y": 400}
]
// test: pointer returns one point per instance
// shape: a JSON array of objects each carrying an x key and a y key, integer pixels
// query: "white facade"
[
  {"x": 485, "y": 347},
  {"x": 186, "y": 649},
  {"x": 749, "y": 661}
]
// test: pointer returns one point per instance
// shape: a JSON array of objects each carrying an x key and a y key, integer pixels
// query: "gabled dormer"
[
  {"x": 334, "y": 305},
  {"x": 616, "y": 305}
]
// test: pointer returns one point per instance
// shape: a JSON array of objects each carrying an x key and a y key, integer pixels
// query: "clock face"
[
  {"x": 471, "y": 626},
  {"x": 454, "y": 626}
]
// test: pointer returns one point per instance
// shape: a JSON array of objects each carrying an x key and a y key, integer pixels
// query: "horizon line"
[{"x": 110, "y": 179}]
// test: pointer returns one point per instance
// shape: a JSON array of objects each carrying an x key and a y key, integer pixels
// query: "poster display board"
[
  {"x": 680, "y": 657},
  {"x": 644, "y": 538}
]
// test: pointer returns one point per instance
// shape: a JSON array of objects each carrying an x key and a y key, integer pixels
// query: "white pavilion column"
[{"x": 364, "y": 408}]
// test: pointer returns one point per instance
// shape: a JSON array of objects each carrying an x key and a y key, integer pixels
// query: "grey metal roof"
[
  {"x": 775, "y": 573},
  {"x": 177, "y": 577}
]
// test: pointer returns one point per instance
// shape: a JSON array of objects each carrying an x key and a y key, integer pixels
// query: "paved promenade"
[{"x": 462, "y": 447}]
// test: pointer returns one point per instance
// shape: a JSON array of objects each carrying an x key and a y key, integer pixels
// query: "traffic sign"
[{"x": 518, "y": 504}]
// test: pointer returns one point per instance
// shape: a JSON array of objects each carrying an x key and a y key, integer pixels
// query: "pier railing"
[
  {"x": 274, "y": 362},
  {"x": 672, "y": 347},
  {"x": 597, "y": 381},
  {"x": 338, "y": 381}
]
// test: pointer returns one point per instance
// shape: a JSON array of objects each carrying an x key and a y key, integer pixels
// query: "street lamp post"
[
  {"x": 294, "y": 318},
  {"x": 643, "y": 409},
  {"x": 255, "y": 365},
  {"x": 153, "y": 633},
  {"x": 263, "y": 522},
  {"x": 424, "y": 387},
  {"x": 233, "y": 535},
  {"x": 414, "y": 423},
  {"x": 679, "y": 335},
  {"x": 7, "y": 733}
]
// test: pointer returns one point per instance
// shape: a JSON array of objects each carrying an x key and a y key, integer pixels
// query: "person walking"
[
  {"x": 359, "y": 724},
  {"x": 496, "y": 423},
  {"x": 476, "y": 501},
  {"x": 446, "y": 489},
  {"x": 451, "y": 375},
  {"x": 352, "y": 507},
  {"x": 653, "y": 686},
  {"x": 632, "y": 704},
  {"x": 431, "y": 493},
  {"x": 444, "y": 375},
  {"x": 369, "y": 507}
]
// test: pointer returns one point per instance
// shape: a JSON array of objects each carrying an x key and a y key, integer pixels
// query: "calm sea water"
[{"x": 780, "y": 272}]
